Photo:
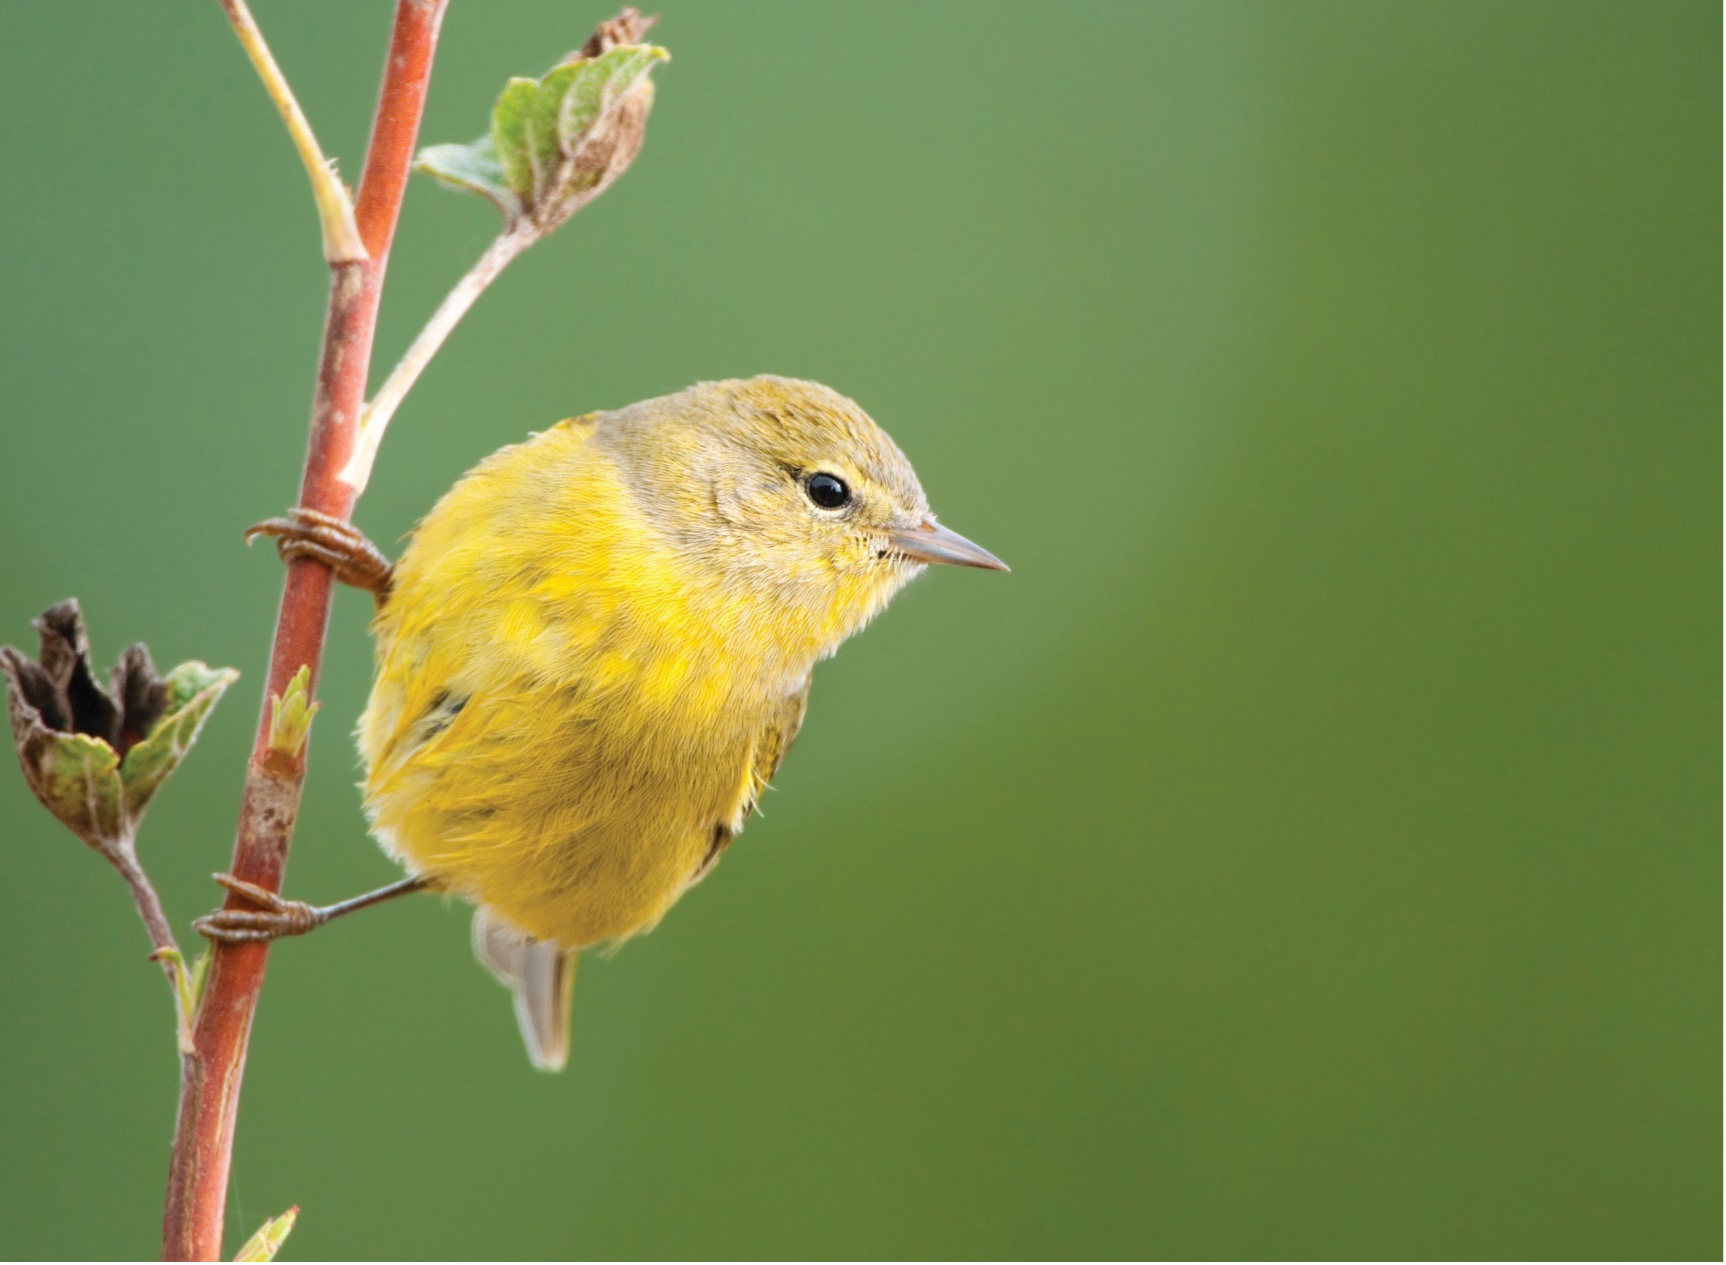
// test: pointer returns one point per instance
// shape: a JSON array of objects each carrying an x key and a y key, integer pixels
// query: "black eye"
[{"x": 827, "y": 490}]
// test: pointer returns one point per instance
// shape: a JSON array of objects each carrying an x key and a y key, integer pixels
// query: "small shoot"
[
  {"x": 264, "y": 1245},
  {"x": 188, "y": 985},
  {"x": 556, "y": 142},
  {"x": 291, "y": 715}
]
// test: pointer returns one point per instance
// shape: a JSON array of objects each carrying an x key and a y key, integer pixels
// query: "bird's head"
[{"x": 787, "y": 491}]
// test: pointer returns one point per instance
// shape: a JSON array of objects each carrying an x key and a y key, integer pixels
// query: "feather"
[{"x": 541, "y": 975}]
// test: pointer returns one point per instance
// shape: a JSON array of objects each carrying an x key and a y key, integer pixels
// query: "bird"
[{"x": 594, "y": 653}]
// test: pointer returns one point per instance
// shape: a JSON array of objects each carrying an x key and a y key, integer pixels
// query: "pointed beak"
[{"x": 931, "y": 542}]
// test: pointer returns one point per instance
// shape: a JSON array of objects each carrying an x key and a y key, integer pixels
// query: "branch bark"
[{"x": 211, "y": 1074}]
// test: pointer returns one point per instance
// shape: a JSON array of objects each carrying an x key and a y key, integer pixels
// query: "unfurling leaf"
[
  {"x": 188, "y": 985},
  {"x": 92, "y": 755},
  {"x": 264, "y": 1245},
  {"x": 291, "y": 714},
  {"x": 558, "y": 142}
]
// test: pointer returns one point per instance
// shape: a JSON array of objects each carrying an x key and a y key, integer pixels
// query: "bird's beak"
[{"x": 931, "y": 542}]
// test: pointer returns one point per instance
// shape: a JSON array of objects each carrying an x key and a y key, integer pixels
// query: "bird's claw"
[
  {"x": 339, "y": 545},
  {"x": 275, "y": 916}
]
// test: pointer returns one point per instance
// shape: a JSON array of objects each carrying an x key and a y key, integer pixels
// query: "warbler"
[{"x": 595, "y": 652}]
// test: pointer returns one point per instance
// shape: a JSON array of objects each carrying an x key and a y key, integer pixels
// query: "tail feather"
[{"x": 542, "y": 976}]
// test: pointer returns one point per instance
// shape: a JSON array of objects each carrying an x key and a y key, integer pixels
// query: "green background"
[{"x": 1312, "y": 849}]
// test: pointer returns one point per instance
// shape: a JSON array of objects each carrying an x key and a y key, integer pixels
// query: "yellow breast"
[{"x": 564, "y": 717}]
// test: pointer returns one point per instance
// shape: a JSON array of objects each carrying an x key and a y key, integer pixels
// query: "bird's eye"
[{"x": 827, "y": 490}]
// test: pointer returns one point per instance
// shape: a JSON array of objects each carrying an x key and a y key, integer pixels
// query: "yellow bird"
[{"x": 595, "y": 652}]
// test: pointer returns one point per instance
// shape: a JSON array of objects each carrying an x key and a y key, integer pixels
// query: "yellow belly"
[{"x": 568, "y": 828}]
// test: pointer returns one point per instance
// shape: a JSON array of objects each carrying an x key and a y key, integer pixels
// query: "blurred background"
[{"x": 1312, "y": 849}]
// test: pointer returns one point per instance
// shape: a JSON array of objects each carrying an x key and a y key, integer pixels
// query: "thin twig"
[
  {"x": 211, "y": 1075},
  {"x": 504, "y": 248},
  {"x": 335, "y": 210},
  {"x": 148, "y": 903},
  {"x": 165, "y": 950}
]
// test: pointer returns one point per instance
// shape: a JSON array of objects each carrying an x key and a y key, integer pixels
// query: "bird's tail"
[{"x": 541, "y": 974}]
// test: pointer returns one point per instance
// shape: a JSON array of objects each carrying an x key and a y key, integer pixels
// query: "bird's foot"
[
  {"x": 273, "y": 918},
  {"x": 342, "y": 547}
]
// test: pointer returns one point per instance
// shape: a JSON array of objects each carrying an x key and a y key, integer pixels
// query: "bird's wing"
[
  {"x": 765, "y": 755},
  {"x": 771, "y": 745}
]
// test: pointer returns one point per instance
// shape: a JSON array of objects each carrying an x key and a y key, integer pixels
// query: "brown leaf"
[
  {"x": 62, "y": 688},
  {"x": 626, "y": 28}
]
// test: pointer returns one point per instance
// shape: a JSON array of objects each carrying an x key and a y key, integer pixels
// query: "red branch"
[{"x": 211, "y": 1074}]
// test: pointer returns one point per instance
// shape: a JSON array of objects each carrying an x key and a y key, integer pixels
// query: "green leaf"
[
  {"x": 587, "y": 88},
  {"x": 544, "y": 136},
  {"x": 509, "y": 132},
  {"x": 556, "y": 142},
  {"x": 75, "y": 777},
  {"x": 192, "y": 690},
  {"x": 473, "y": 167},
  {"x": 264, "y": 1245}
]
